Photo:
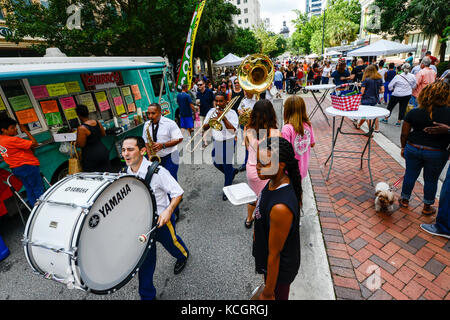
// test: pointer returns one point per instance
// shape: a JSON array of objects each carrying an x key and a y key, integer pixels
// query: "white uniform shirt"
[
  {"x": 167, "y": 131},
  {"x": 225, "y": 134},
  {"x": 162, "y": 183},
  {"x": 248, "y": 103}
]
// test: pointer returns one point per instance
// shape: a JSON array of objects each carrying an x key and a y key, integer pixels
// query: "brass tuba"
[{"x": 255, "y": 74}]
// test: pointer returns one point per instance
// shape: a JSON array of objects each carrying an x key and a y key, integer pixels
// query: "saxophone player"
[{"x": 166, "y": 135}]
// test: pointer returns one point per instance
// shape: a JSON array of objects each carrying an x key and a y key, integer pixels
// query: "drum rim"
[
  {"x": 29, "y": 224},
  {"x": 75, "y": 241}
]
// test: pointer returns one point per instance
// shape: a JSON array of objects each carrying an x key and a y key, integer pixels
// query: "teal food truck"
[{"x": 42, "y": 93}]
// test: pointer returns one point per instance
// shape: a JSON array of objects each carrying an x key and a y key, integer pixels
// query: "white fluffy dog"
[{"x": 385, "y": 198}]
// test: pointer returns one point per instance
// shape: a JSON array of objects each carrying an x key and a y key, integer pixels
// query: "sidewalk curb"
[{"x": 313, "y": 281}]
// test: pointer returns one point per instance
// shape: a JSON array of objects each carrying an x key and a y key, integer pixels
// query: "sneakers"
[
  {"x": 431, "y": 228},
  {"x": 383, "y": 121},
  {"x": 398, "y": 124}
]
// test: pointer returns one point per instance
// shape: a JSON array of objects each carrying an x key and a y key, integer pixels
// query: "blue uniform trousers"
[
  {"x": 171, "y": 163},
  {"x": 168, "y": 237}
]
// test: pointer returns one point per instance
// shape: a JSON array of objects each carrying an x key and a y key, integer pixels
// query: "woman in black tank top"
[
  {"x": 94, "y": 154},
  {"x": 276, "y": 245}
]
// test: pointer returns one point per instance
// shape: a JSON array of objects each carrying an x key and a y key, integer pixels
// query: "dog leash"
[{"x": 396, "y": 183}]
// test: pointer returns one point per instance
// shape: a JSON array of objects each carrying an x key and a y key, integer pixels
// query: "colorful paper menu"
[
  {"x": 57, "y": 89},
  {"x": 39, "y": 92},
  {"x": 102, "y": 101},
  {"x": 73, "y": 87},
  {"x": 53, "y": 118},
  {"x": 49, "y": 106},
  {"x": 67, "y": 102},
  {"x": 129, "y": 99},
  {"x": 120, "y": 109},
  {"x": 131, "y": 107},
  {"x": 20, "y": 102},
  {"x": 136, "y": 92},
  {"x": 26, "y": 116},
  {"x": 126, "y": 91},
  {"x": 87, "y": 100},
  {"x": 118, "y": 101},
  {"x": 115, "y": 92},
  {"x": 2, "y": 104},
  {"x": 70, "y": 113}
]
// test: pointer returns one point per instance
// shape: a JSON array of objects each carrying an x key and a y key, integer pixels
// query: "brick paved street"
[{"x": 361, "y": 243}]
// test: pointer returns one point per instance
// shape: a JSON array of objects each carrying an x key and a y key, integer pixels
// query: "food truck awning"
[{"x": 28, "y": 70}]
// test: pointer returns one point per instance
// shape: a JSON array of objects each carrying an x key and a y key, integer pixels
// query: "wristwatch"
[{"x": 164, "y": 145}]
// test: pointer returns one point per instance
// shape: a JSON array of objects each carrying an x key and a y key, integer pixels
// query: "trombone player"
[{"x": 224, "y": 139}]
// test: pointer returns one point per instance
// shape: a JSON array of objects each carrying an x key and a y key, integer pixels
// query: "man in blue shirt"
[
  {"x": 186, "y": 108},
  {"x": 206, "y": 97}
]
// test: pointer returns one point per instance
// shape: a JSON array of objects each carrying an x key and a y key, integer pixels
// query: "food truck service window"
[
  {"x": 18, "y": 105},
  {"x": 156, "y": 84}
]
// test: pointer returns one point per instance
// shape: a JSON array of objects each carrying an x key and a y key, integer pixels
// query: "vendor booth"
[{"x": 42, "y": 94}]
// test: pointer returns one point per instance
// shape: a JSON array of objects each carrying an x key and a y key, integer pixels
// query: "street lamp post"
[{"x": 323, "y": 29}]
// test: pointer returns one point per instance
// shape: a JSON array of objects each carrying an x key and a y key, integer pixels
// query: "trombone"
[{"x": 213, "y": 124}]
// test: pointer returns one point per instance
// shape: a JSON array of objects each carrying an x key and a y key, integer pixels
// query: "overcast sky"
[{"x": 279, "y": 11}]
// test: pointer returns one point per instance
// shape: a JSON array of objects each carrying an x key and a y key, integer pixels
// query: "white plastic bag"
[{"x": 65, "y": 148}]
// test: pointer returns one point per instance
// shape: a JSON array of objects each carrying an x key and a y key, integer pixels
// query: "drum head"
[{"x": 109, "y": 250}]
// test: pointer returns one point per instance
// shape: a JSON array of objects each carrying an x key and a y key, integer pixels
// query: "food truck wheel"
[{"x": 61, "y": 172}]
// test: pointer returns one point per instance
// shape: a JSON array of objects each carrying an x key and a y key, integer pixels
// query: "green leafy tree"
[
  {"x": 272, "y": 45},
  {"x": 119, "y": 27},
  {"x": 398, "y": 18},
  {"x": 243, "y": 43},
  {"x": 341, "y": 23}
]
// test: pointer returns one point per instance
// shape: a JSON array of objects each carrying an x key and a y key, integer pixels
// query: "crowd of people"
[{"x": 276, "y": 161}]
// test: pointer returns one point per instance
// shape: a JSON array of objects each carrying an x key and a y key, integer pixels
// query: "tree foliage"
[
  {"x": 398, "y": 18},
  {"x": 342, "y": 20},
  {"x": 243, "y": 43},
  {"x": 271, "y": 44},
  {"x": 121, "y": 27}
]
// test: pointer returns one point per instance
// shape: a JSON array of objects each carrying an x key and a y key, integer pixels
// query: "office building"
[{"x": 250, "y": 13}]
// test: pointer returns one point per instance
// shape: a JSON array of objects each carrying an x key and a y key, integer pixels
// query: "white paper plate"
[{"x": 239, "y": 194}]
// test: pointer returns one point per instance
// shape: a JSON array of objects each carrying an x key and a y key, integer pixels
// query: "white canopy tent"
[
  {"x": 332, "y": 53},
  {"x": 312, "y": 56},
  {"x": 381, "y": 48},
  {"x": 229, "y": 60}
]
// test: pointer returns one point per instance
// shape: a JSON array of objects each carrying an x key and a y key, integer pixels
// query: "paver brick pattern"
[{"x": 373, "y": 255}]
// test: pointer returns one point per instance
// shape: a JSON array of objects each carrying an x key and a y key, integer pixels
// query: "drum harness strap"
[{"x": 152, "y": 169}]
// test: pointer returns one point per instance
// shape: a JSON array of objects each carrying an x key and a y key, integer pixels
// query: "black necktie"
[{"x": 155, "y": 130}]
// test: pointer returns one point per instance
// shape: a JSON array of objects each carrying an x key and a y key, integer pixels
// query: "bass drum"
[{"x": 90, "y": 231}]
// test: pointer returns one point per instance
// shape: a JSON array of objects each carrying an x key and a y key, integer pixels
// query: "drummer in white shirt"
[
  {"x": 224, "y": 140},
  {"x": 166, "y": 136},
  {"x": 163, "y": 184}
]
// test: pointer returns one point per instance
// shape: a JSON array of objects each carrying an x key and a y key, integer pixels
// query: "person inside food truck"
[{"x": 18, "y": 154}]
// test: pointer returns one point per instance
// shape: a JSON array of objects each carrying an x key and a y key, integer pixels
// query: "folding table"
[
  {"x": 368, "y": 113},
  {"x": 327, "y": 88}
]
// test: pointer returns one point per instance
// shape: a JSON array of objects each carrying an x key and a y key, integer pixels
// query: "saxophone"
[
  {"x": 244, "y": 117},
  {"x": 152, "y": 154}
]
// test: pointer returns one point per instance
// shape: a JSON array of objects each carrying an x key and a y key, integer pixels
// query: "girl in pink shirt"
[{"x": 298, "y": 131}]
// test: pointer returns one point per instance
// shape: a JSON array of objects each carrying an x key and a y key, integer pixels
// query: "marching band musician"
[
  {"x": 162, "y": 184},
  {"x": 247, "y": 103},
  {"x": 166, "y": 135},
  {"x": 224, "y": 140}
]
